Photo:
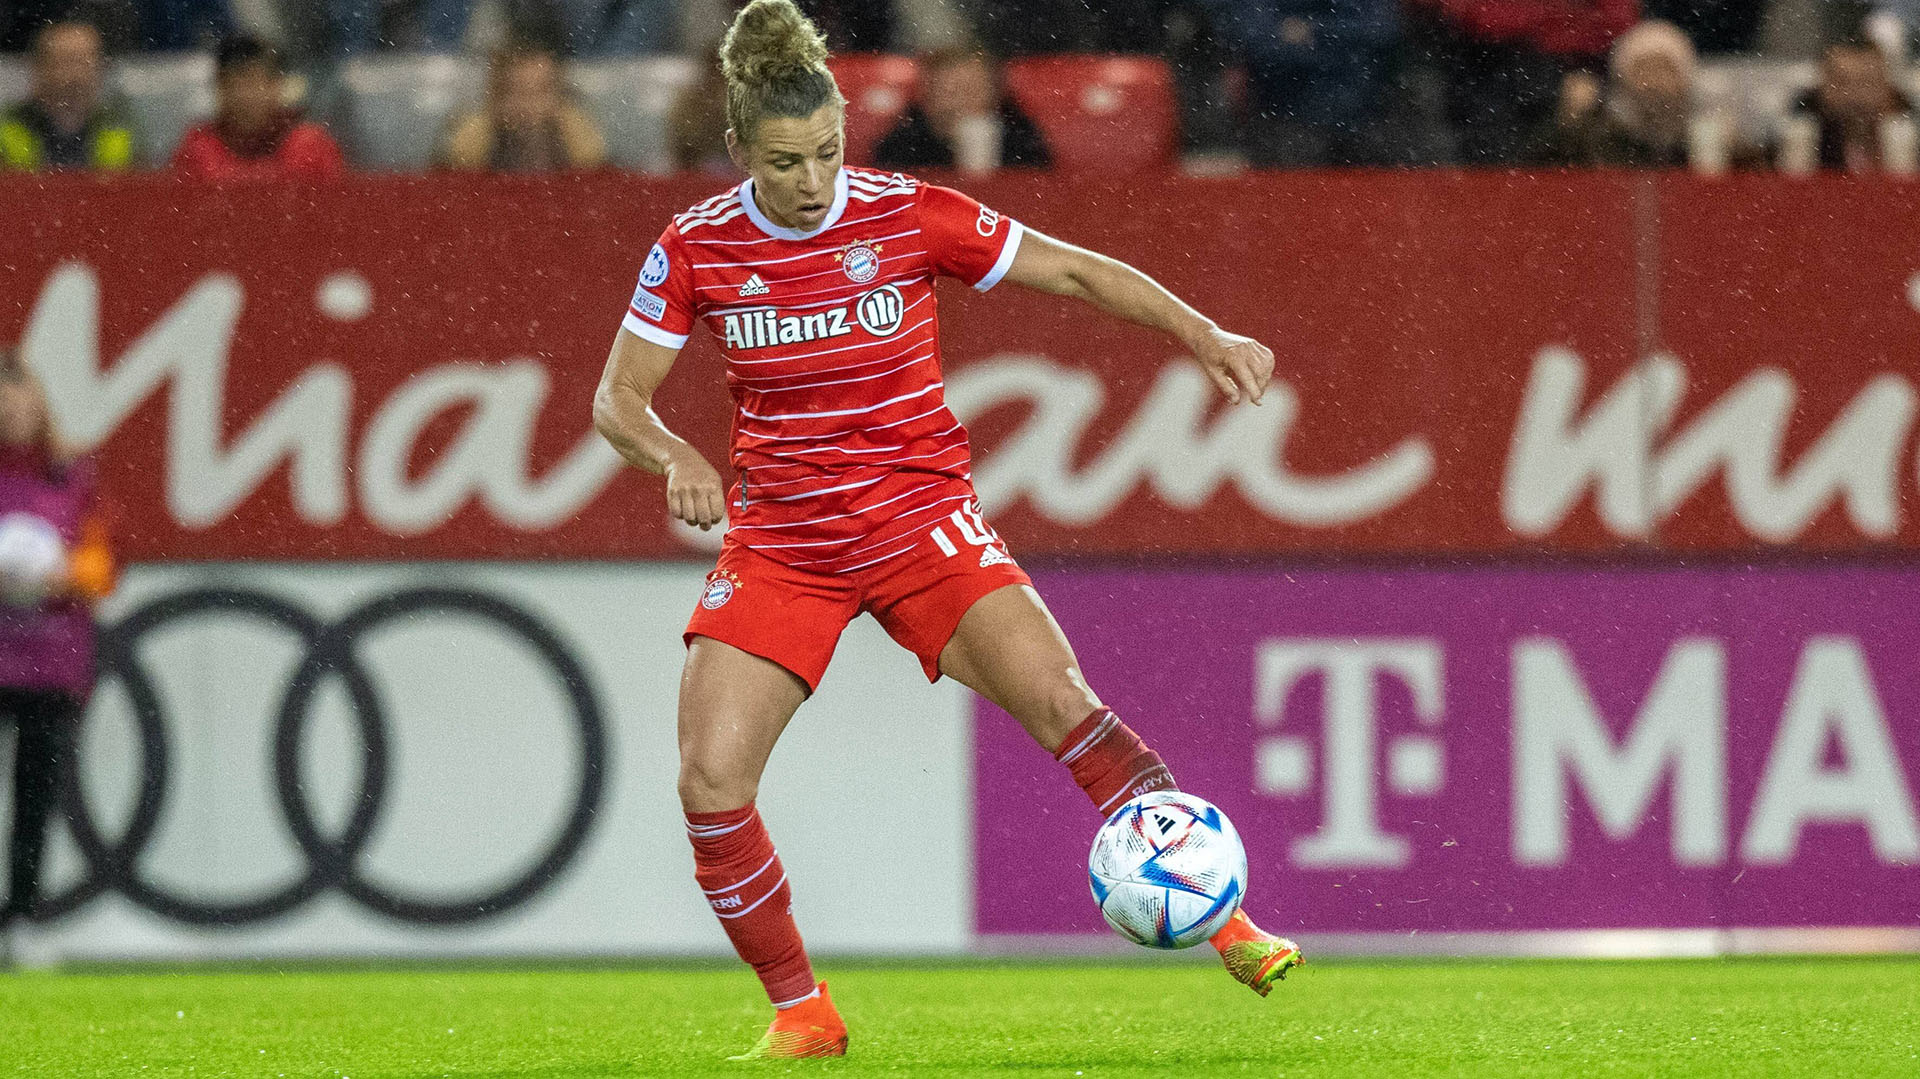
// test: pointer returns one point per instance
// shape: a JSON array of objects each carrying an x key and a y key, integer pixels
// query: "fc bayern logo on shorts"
[
  {"x": 861, "y": 262},
  {"x": 720, "y": 588}
]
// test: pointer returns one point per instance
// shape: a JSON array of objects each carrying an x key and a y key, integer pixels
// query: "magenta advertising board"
[{"x": 1488, "y": 749}]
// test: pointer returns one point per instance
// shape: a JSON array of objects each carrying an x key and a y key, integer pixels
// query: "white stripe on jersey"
[
  {"x": 886, "y": 462},
  {"x": 706, "y": 213},
  {"x": 842, "y": 516},
  {"x": 795, "y": 258},
  {"x": 861, "y": 196},
  {"x": 934, "y": 505},
  {"x": 827, "y": 370},
  {"x": 842, "y": 449},
  {"x": 875, "y": 181},
  {"x": 842, "y": 348},
  {"x": 862, "y": 550},
  {"x": 922, "y": 392},
  {"x": 709, "y": 206},
  {"x": 720, "y": 220},
  {"x": 728, "y": 204},
  {"x": 847, "y": 381},
  {"x": 827, "y": 490},
  {"x": 835, "y": 434},
  {"x": 758, "y": 484},
  {"x": 877, "y": 561}
]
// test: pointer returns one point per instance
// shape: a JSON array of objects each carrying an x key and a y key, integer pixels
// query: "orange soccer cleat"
[
  {"x": 1255, "y": 957},
  {"x": 811, "y": 1028}
]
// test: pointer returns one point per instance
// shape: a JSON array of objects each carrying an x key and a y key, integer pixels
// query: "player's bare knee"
[
  {"x": 1068, "y": 703},
  {"x": 706, "y": 788}
]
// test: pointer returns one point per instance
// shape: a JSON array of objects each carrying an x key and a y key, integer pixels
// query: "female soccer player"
[{"x": 854, "y": 490}]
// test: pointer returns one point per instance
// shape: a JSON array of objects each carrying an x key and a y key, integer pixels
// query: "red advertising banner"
[{"x": 1473, "y": 364}]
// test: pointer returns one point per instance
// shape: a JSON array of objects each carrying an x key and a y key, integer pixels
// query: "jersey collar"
[{"x": 761, "y": 222}]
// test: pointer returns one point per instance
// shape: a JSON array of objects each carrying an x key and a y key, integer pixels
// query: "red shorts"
[{"x": 794, "y": 616}]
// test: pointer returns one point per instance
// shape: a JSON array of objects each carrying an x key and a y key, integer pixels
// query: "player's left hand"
[{"x": 1240, "y": 366}]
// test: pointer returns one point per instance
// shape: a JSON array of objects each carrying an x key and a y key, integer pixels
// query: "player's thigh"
[
  {"x": 1009, "y": 649},
  {"x": 733, "y": 707}
]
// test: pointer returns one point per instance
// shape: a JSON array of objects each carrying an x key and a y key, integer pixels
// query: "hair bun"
[{"x": 771, "y": 41}]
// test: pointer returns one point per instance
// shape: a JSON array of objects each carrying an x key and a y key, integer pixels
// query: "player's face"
[
  {"x": 249, "y": 96},
  {"x": 793, "y": 163}
]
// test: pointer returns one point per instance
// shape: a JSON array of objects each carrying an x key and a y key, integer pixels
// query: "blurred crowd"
[{"x": 1265, "y": 83}]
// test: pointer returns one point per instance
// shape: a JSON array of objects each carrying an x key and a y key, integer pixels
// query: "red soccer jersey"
[
  {"x": 306, "y": 152},
  {"x": 842, "y": 441}
]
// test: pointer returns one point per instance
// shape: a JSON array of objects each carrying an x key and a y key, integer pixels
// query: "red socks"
[
  {"x": 1110, "y": 762},
  {"x": 734, "y": 860}
]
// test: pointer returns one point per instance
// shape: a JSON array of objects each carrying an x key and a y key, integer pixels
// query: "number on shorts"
[{"x": 972, "y": 529}]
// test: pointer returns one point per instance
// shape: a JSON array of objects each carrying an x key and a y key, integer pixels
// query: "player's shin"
[
  {"x": 747, "y": 888},
  {"x": 1111, "y": 763}
]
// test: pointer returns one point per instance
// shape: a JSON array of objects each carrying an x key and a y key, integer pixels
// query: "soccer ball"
[
  {"x": 32, "y": 557},
  {"x": 1167, "y": 869}
]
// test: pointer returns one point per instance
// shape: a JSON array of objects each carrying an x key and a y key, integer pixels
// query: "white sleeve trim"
[
  {"x": 1007, "y": 251},
  {"x": 647, "y": 331}
]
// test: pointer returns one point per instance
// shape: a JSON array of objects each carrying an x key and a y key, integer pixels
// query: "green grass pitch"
[{"x": 1758, "y": 1017}]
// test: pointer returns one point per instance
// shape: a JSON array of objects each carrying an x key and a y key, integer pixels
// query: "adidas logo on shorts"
[
  {"x": 754, "y": 287},
  {"x": 993, "y": 556}
]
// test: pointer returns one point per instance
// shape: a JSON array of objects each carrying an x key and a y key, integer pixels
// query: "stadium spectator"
[
  {"x": 54, "y": 564},
  {"x": 1502, "y": 63},
  {"x": 67, "y": 120},
  {"x": 1319, "y": 77},
  {"x": 1850, "y": 106},
  {"x": 529, "y": 123},
  {"x": 254, "y": 134},
  {"x": 184, "y": 25},
  {"x": 963, "y": 118},
  {"x": 1642, "y": 118}
]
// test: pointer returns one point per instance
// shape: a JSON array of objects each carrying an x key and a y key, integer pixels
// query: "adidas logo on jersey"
[{"x": 754, "y": 287}]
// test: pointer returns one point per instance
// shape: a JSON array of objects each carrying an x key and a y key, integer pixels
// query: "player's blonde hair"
[{"x": 775, "y": 61}]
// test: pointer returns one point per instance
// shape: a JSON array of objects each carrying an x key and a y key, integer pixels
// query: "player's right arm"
[
  {"x": 655, "y": 328},
  {"x": 623, "y": 414}
]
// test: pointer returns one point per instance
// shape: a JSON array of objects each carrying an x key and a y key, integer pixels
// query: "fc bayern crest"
[
  {"x": 861, "y": 261},
  {"x": 720, "y": 589}
]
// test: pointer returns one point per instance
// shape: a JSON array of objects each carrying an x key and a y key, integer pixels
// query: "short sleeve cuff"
[
  {"x": 1007, "y": 250},
  {"x": 647, "y": 331}
]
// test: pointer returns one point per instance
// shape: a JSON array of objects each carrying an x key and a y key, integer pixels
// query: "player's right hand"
[{"x": 694, "y": 491}]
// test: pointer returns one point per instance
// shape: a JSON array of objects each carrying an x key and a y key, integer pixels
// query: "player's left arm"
[{"x": 1240, "y": 366}]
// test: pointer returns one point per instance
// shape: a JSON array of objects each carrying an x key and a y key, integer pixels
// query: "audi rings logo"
[{"x": 333, "y": 860}]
